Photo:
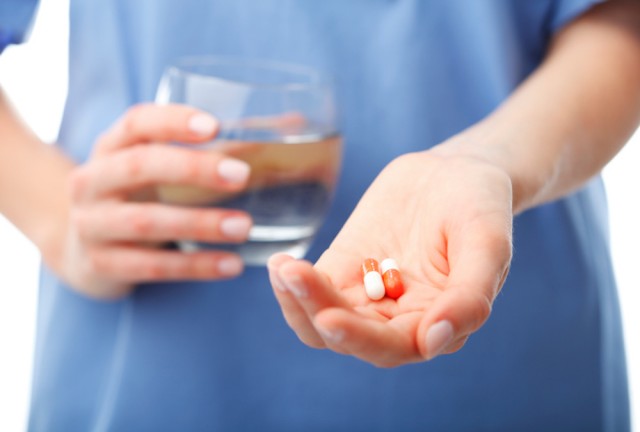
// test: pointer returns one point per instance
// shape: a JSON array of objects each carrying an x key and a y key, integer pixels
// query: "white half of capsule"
[
  {"x": 388, "y": 264},
  {"x": 373, "y": 285}
]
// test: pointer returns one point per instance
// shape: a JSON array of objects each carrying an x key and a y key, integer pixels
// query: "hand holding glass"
[{"x": 278, "y": 118}]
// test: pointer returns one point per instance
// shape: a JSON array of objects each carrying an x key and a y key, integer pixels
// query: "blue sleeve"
[
  {"x": 15, "y": 20},
  {"x": 564, "y": 11}
]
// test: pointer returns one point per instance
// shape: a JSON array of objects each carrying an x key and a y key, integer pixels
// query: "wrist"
[
  {"x": 44, "y": 220},
  {"x": 501, "y": 147}
]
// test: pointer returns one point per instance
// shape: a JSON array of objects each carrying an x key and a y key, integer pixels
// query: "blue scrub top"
[{"x": 219, "y": 356}]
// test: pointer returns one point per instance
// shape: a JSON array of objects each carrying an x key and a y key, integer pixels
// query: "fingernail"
[
  {"x": 230, "y": 266},
  {"x": 334, "y": 336},
  {"x": 202, "y": 124},
  {"x": 235, "y": 227},
  {"x": 438, "y": 337},
  {"x": 233, "y": 170},
  {"x": 296, "y": 286}
]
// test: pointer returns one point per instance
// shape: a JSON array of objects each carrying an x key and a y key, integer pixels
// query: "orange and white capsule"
[
  {"x": 373, "y": 284},
  {"x": 393, "y": 285}
]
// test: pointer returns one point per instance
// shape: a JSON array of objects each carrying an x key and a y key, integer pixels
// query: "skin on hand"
[
  {"x": 447, "y": 221},
  {"x": 111, "y": 237},
  {"x": 445, "y": 215}
]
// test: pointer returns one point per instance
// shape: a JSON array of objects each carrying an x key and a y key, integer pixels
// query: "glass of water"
[{"x": 280, "y": 119}]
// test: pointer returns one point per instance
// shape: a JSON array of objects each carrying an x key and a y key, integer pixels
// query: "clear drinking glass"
[{"x": 280, "y": 119}]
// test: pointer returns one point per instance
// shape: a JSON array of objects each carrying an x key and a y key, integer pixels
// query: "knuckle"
[
  {"x": 190, "y": 168},
  {"x": 141, "y": 221},
  {"x": 193, "y": 166},
  {"x": 202, "y": 227},
  {"x": 187, "y": 167},
  {"x": 201, "y": 266},
  {"x": 155, "y": 270},
  {"x": 129, "y": 122},
  {"x": 134, "y": 162},
  {"x": 481, "y": 309},
  {"x": 177, "y": 226},
  {"x": 77, "y": 184},
  {"x": 95, "y": 263},
  {"x": 103, "y": 142}
]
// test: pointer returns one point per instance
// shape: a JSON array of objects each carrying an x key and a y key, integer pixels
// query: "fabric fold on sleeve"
[
  {"x": 565, "y": 11},
  {"x": 16, "y": 17}
]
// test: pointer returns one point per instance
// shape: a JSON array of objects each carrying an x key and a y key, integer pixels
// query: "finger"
[
  {"x": 157, "y": 123},
  {"x": 477, "y": 273},
  {"x": 157, "y": 164},
  {"x": 133, "y": 264},
  {"x": 157, "y": 222},
  {"x": 384, "y": 344},
  {"x": 312, "y": 289},
  {"x": 293, "y": 313}
]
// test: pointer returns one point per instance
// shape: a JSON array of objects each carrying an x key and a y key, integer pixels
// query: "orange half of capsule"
[
  {"x": 369, "y": 265},
  {"x": 393, "y": 285}
]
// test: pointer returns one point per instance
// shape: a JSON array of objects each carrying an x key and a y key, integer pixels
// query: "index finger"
[
  {"x": 147, "y": 123},
  {"x": 156, "y": 164}
]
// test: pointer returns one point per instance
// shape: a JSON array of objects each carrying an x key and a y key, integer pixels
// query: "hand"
[
  {"x": 447, "y": 221},
  {"x": 110, "y": 240}
]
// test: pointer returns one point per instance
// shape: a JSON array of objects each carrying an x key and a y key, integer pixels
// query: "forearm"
[
  {"x": 572, "y": 115},
  {"x": 33, "y": 181}
]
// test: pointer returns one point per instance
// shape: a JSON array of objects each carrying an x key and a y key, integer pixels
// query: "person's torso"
[{"x": 219, "y": 356}]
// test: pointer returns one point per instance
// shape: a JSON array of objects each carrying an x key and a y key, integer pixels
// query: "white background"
[{"x": 34, "y": 76}]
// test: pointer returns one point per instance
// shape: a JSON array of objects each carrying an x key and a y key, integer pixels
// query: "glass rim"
[{"x": 316, "y": 78}]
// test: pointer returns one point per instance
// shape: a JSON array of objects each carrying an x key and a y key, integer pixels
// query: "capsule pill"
[
  {"x": 393, "y": 285},
  {"x": 373, "y": 284}
]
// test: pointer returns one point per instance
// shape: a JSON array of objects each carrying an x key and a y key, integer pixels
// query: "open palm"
[{"x": 447, "y": 222}]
